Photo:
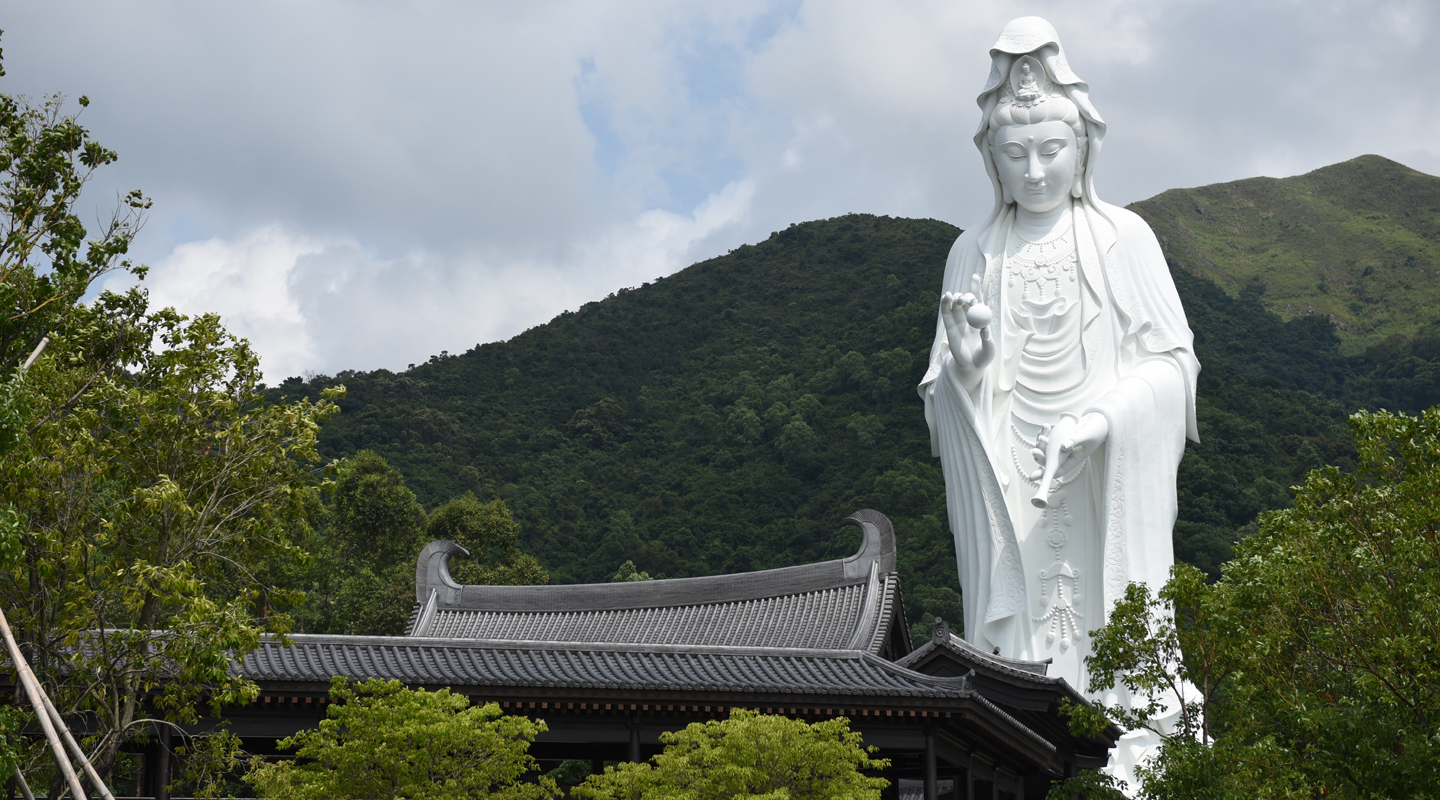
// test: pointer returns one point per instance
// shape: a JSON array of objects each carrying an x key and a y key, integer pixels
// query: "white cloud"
[
  {"x": 246, "y": 281},
  {"x": 307, "y": 303},
  {"x": 356, "y": 185}
]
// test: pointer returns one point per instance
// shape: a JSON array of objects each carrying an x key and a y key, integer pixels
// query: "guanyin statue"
[{"x": 1061, "y": 385}]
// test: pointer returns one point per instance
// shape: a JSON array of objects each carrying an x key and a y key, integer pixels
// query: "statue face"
[{"x": 1036, "y": 163}]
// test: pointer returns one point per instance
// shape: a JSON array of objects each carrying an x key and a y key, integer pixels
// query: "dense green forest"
[{"x": 727, "y": 417}]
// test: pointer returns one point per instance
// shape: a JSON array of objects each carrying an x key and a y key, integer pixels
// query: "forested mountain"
[{"x": 727, "y": 417}]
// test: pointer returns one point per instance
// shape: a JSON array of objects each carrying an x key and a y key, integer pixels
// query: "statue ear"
[
  {"x": 1005, "y": 194},
  {"x": 1077, "y": 189}
]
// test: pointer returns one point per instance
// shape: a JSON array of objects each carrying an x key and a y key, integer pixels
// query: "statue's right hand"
[
  {"x": 954, "y": 307},
  {"x": 967, "y": 329}
]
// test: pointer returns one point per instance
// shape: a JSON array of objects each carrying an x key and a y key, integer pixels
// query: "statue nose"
[{"x": 1035, "y": 171}]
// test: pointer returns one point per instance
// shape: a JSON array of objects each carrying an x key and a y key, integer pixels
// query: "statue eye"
[{"x": 1051, "y": 150}]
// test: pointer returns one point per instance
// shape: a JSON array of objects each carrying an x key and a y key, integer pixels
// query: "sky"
[{"x": 357, "y": 185}]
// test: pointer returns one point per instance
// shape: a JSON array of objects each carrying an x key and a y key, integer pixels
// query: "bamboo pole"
[
  {"x": 38, "y": 700},
  {"x": 49, "y": 716},
  {"x": 39, "y": 348},
  {"x": 24, "y": 787},
  {"x": 75, "y": 748}
]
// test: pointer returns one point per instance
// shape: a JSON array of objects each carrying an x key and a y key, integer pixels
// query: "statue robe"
[{"x": 1140, "y": 373}]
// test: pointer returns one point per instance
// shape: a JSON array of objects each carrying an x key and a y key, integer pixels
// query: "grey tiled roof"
[
  {"x": 846, "y": 603},
  {"x": 318, "y": 658},
  {"x": 1031, "y": 671},
  {"x": 814, "y": 619}
]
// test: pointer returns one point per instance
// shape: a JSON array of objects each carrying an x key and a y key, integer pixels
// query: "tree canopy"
[
  {"x": 1318, "y": 651},
  {"x": 749, "y": 756},
  {"x": 144, "y": 478},
  {"x": 380, "y": 741}
]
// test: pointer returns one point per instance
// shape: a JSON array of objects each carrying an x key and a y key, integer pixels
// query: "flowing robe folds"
[{"x": 1139, "y": 372}]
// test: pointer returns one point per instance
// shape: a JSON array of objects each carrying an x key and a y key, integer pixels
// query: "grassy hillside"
[{"x": 1357, "y": 242}]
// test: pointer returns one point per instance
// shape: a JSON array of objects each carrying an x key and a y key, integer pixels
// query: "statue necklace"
[{"x": 1043, "y": 263}]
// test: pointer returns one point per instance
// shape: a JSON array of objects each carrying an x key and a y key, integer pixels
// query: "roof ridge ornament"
[
  {"x": 432, "y": 571},
  {"x": 878, "y": 545},
  {"x": 940, "y": 632}
]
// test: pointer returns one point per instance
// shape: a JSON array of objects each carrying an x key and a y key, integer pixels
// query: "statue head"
[
  {"x": 1037, "y": 139},
  {"x": 1039, "y": 135}
]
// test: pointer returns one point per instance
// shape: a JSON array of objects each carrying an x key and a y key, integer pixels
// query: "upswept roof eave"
[{"x": 877, "y": 550}]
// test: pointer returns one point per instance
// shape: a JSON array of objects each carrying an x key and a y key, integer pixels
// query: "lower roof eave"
[
  {"x": 582, "y": 694},
  {"x": 1043, "y": 754}
]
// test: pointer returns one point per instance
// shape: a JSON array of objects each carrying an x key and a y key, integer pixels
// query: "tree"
[
  {"x": 381, "y": 740},
  {"x": 146, "y": 500},
  {"x": 749, "y": 755},
  {"x": 491, "y": 535},
  {"x": 363, "y": 578},
  {"x": 142, "y": 476},
  {"x": 1320, "y": 644},
  {"x": 628, "y": 572}
]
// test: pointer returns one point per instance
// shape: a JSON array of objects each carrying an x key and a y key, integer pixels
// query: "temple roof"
[
  {"x": 829, "y": 636},
  {"x": 567, "y": 665},
  {"x": 846, "y": 604}
]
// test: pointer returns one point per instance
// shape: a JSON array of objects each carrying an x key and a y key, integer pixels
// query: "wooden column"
[
  {"x": 160, "y": 778},
  {"x": 932, "y": 779},
  {"x": 635, "y": 741}
]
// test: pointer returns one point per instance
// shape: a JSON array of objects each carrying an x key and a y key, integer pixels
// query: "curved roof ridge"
[
  {"x": 877, "y": 550},
  {"x": 350, "y": 640}
]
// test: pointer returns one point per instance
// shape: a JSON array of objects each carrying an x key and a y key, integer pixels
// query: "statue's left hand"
[{"x": 1070, "y": 438}]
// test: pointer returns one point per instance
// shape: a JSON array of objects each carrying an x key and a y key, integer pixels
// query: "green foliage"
[
  {"x": 752, "y": 756},
  {"x": 627, "y": 572},
  {"x": 47, "y": 263},
  {"x": 381, "y": 740},
  {"x": 146, "y": 506},
  {"x": 1089, "y": 784},
  {"x": 569, "y": 773},
  {"x": 1319, "y": 649},
  {"x": 209, "y": 763},
  {"x": 361, "y": 578},
  {"x": 143, "y": 477},
  {"x": 13, "y": 743},
  {"x": 489, "y": 532},
  {"x": 1353, "y": 243},
  {"x": 1162, "y": 662},
  {"x": 376, "y": 517}
]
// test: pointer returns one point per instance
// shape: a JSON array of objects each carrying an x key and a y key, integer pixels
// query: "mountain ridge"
[{"x": 1358, "y": 242}]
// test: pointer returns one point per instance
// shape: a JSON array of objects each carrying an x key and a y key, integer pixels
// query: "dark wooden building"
[{"x": 609, "y": 667}]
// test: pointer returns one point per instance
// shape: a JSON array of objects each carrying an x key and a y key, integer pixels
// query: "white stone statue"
[{"x": 1061, "y": 385}]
